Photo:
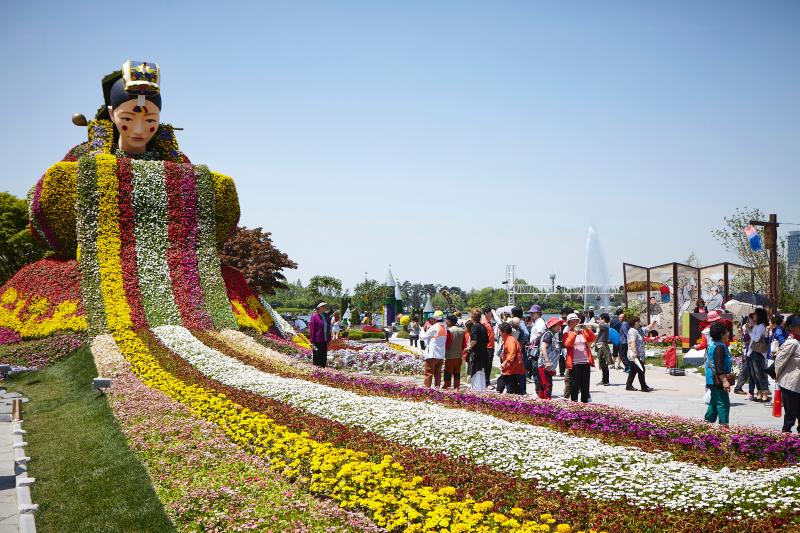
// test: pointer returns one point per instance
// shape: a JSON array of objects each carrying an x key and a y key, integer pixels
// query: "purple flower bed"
[
  {"x": 754, "y": 443},
  {"x": 40, "y": 353}
]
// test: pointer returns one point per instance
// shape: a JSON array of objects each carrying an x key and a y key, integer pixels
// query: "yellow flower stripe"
[
  {"x": 25, "y": 317},
  {"x": 381, "y": 489},
  {"x": 243, "y": 318},
  {"x": 401, "y": 348}
]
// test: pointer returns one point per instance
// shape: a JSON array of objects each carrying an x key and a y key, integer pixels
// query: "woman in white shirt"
[
  {"x": 759, "y": 383},
  {"x": 336, "y": 325}
]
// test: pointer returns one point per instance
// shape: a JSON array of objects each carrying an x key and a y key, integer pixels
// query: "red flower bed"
[{"x": 58, "y": 280}]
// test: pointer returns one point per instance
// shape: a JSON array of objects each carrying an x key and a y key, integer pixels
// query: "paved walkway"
[
  {"x": 673, "y": 395},
  {"x": 9, "y": 518}
]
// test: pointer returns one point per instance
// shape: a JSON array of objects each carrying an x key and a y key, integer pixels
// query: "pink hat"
[
  {"x": 713, "y": 316},
  {"x": 553, "y": 321}
]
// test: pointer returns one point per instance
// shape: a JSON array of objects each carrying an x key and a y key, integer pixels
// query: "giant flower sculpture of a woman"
[{"x": 134, "y": 228}]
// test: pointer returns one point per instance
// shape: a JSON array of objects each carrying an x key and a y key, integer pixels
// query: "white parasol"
[{"x": 738, "y": 308}]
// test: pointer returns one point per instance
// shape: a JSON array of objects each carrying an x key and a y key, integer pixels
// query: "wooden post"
[
  {"x": 725, "y": 286},
  {"x": 675, "y": 299},
  {"x": 771, "y": 244},
  {"x": 647, "y": 298},
  {"x": 16, "y": 410}
]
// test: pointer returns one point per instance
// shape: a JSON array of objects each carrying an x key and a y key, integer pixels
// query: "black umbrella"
[{"x": 755, "y": 298}]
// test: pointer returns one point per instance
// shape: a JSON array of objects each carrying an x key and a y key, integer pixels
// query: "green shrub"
[
  {"x": 402, "y": 334},
  {"x": 292, "y": 310},
  {"x": 355, "y": 334}
]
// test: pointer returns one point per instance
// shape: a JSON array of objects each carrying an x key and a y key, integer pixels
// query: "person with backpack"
[
  {"x": 719, "y": 377},
  {"x": 602, "y": 349},
  {"x": 454, "y": 347},
  {"x": 549, "y": 347},
  {"x": 524, "y": 333}
]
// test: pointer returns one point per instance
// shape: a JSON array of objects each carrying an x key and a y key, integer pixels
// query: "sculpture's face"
[{"x": 136, "y": 125}]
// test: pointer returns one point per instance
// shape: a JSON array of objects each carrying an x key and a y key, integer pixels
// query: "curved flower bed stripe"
[
  {"x": 39, "y": 353},
  {"x": 208, "y": 263},
  {"x": 179, "y": 181},
  {"x": 561, "y": 462},
  {"x": 150, "y": 207},
  {"x": 479, "y": 482},
  {"x": 688, "y": 439},
  {"x": 193, "y": 464},
  {"x": 128, "y": 251},
  {"x": 247, "y": 309},
  {"x": 87, "y": 206}
]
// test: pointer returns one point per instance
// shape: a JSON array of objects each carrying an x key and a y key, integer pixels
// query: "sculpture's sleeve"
[
  {"x": 226, "y": 206},
  {"x": 51, "y": 209}
]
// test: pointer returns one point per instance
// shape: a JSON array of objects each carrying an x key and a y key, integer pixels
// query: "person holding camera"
[{"x": 577, "y": 341}]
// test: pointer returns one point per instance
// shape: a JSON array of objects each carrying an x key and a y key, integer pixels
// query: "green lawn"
[{"x": 87, "y": 479}]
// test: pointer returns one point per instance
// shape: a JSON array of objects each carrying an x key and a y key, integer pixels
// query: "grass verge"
[{"x": 87, "y": 478}]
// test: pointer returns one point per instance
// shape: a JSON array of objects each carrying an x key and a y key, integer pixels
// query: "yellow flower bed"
[
  {"x": 401, "y": 348},
  {"x": 26, "y": 316},
  {"x": 243, "y": 318}
]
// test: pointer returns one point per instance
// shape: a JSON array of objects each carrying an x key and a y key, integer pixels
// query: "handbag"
[{"x": 759, "y": 346}]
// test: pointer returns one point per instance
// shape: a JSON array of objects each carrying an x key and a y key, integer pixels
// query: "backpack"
[
  {"x": 613, "y": 336},
  {"x": 523, "y": 339}
]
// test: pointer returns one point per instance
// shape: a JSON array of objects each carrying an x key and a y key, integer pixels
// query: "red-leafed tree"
[{"x": 252, "y": 252}]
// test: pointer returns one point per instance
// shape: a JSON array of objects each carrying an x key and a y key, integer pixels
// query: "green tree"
[
  {"x": 439, "y": 302},
  {"x": 369, "y": 294},
  {"x": 252, "y": 252},
  {"x": 325, "y": 286},
  {"x": 692, "y": 260},
  {"x": 17, "y": 246},
  {"x": 487, "y": 296}
]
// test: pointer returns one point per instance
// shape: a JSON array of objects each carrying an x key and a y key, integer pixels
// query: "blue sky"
[{"x": 445, "y": 138}]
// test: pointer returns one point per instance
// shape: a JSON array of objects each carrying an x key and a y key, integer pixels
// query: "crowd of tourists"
[
  {"x": 770, "y": 351},
  {"x": 531, "y": 351}
]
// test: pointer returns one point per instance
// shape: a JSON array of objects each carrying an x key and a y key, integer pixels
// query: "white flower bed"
[{"x": 560, "y": 461}]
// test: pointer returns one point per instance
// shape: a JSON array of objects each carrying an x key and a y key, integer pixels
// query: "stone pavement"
[
  {"x": 16, "y": 509},
  {"x": 673, "y": 395}
]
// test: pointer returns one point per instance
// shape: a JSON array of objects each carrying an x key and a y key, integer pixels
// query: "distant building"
[{"x": 793, "y": 255}]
